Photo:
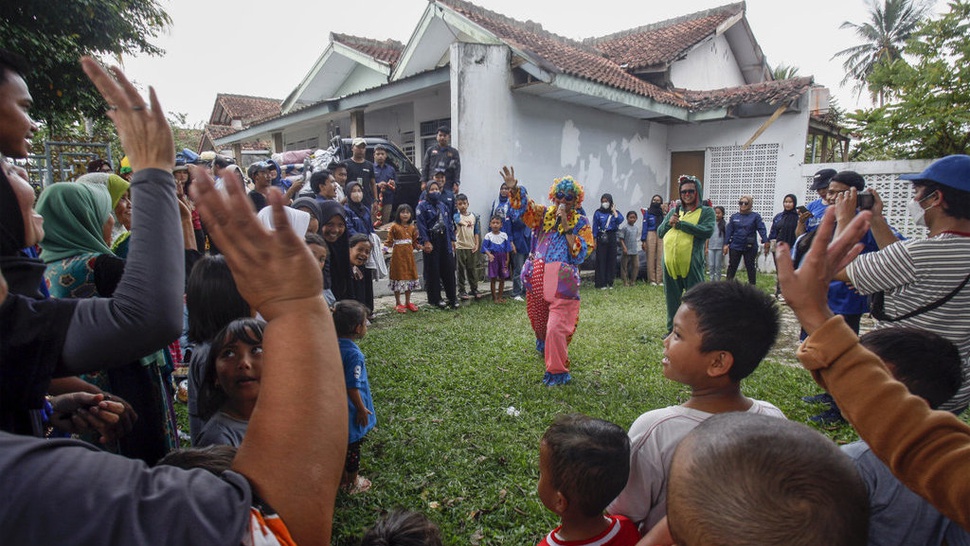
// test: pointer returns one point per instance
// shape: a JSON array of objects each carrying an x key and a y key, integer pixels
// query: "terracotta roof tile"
[
  {"x": 387, "y": 51},
  {"x": 249, "y": 110},
  {"x": 565, "y": 55},
  {"x": 213, "y": 132},
  {"x": 771, "y": 92},
  {"x": 661, "y": 43}
]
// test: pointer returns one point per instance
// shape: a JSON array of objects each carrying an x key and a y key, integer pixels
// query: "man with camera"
[{"x": 923, "y": 283}]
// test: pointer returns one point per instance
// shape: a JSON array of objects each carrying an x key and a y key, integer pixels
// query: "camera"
[{"x": 865, "y": 201}]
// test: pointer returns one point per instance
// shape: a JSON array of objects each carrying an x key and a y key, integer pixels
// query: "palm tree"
[
  {"x": 883, "y": 37},
  {"x": 784, "y": 72}
]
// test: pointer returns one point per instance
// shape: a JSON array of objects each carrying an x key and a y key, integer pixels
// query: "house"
[
  {"x": 624, "y": 114},
  {"x": 233, "y": 113}
]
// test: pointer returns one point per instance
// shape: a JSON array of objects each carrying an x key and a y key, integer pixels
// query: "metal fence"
[{"x": 63, "y": 161}]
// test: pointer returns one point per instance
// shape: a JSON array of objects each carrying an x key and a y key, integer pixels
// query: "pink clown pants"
[{"x": 553, "y": 317}]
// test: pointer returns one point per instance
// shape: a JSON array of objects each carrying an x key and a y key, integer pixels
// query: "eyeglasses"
[
  {"x": 565, "y": 196},
  {"x": 688, "y": 191},
  {"x": 742, "y": 202}
]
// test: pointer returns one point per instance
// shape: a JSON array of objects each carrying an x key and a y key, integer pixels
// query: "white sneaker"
[{"x": 518, "y": 298}]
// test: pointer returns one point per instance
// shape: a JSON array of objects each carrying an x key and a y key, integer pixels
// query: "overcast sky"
[{"x": 262, "y": 48}]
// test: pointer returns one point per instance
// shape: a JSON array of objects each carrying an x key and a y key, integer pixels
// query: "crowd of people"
[{"x": 249, "y": 270}]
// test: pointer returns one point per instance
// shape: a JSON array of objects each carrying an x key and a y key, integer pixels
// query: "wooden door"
[{"x": 684, "y": 163}]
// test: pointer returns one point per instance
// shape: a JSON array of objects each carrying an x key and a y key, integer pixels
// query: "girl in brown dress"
[{"x": 402, "y": 238}]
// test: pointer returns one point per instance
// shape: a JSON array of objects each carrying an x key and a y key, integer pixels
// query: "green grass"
[{"x": 442, "y": 381}]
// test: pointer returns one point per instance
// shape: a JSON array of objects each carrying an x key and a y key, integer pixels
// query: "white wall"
[
  {"x": 360, "y": 78},
  {"x": 393, "y": 122},
  {"x": 546, "y": 139},
  {"x": 711, "y": 65}
]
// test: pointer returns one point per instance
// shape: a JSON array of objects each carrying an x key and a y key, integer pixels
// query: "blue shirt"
[
  {"x": 383, "y": 173},
  {"x": 355, "y": 376},
  {"x": 817, "y": 208},
  {"x": 650, "y": 223}
]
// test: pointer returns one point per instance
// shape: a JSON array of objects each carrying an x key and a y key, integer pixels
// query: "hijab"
[
  {"x": 24, "y": 272},
  {"x": 74, "y": 215},
  {"x": 338, "y": 252},
  {"x": 299, "y": 220},
  {"x": 655, "y": 208},
  {"x": 33, "y": 328},
  {"x": 310, "y": 204},
  {"x": 116, "y": 185}
]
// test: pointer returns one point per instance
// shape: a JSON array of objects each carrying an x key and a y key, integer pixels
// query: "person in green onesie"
[{"x": 684, "y": 230}]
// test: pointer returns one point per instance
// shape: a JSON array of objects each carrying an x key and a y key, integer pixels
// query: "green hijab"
[
  {"x": 116, "y": 185},
  {"x": 74, "y": 216}
]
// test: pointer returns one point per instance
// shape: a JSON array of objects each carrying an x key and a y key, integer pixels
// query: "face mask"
[
  {"x": 605, "y": 206},
  {"x": 917, "y": 212},
  {"x": 433, "y": 197}
]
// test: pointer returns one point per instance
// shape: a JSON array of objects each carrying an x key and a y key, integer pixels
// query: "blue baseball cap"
[{"x": 952, "y": 171}]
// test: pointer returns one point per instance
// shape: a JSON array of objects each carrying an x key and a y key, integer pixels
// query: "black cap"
[
  {"x": 822, "y": 178},
  {"x": 850, "y": 178}
]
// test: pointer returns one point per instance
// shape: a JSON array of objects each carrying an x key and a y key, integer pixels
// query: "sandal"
[
  {"x": 362, "y": 485},
  {"x": 400, "y": 309},
  {"x": 412, "y": 307}
]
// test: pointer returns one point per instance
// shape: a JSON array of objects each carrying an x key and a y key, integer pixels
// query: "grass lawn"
[{"x": 444, "y": 383}]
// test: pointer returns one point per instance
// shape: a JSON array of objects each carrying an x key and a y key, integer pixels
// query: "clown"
[{"x": 562, "y": 238}]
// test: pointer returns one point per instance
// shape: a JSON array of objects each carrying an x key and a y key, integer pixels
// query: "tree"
[
  {"x": 54, "y": 35},
  {"x": 929, "y": 115},
  {"x": 784, "y": 72},
  {"x": 890, "y": 25}
]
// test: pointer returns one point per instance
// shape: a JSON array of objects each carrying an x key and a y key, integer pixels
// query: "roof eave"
[{"x": 293, "y": 97}]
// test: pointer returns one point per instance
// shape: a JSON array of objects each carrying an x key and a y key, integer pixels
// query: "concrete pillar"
[
  {"x": 481, "y": 119},
  {"x": 277, "y": 143},
  {"x": 357, "y": 124}
]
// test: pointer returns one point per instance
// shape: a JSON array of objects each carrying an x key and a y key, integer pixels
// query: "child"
[
  {"x": 720, "y": 333},
  {"x": 402, "y": 238},
  {"x": 385, "y": 176},
  {"x": 929, "y": 366},
  {"x": 583, "y": 464},
  {"x": 318, "y": 247},
  {"x": 403, "y": 528},
  {"x": 715, "y": 245},
  {"x": 741, "y": 479},
  {"x": 468, "y": 238},
  {"x": 497, "y": 247},
  {"x": 231, "y": 382},
  {"x": 629, "y": 262},
  {"x": 361, "y": 284},
  {"x": 350, "y": 322}
]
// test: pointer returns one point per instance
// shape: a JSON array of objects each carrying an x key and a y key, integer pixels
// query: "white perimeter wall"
[{"x": 545, "y": 139}]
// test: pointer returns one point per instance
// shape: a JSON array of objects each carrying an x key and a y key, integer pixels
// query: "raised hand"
[
  {"x": 508, "y": 176},
  {"x": 806, "y": 289},
  {"x": 271, "y": 268},
  {"x": 144, "y": 132}
]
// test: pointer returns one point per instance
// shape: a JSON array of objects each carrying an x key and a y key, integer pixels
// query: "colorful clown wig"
[{"x": 567, "y": 185}]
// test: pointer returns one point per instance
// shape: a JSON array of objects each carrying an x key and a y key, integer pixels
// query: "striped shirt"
[{"x": 918, "y": 272}]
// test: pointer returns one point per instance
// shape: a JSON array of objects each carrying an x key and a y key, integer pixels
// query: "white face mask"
[
  {"x": 605, "y": 206},
  {"x": 916, "y": 210}
]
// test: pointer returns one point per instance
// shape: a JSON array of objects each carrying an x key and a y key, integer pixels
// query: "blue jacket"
[
  {"x": 427, "y": 216},
  {"x": 743, "y": 230},
  {"x": 513, "y": 226},
  {"x": 650, "y": 223},
  {"x": 606, "y": 221}
]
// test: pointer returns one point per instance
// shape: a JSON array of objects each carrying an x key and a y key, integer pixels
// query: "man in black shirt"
[{"x": 362, "y": 171}]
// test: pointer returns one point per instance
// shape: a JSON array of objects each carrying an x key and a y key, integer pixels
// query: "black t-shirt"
[
  {"x": 364, "y": 173},
  {"x": 259, "y": 200}
]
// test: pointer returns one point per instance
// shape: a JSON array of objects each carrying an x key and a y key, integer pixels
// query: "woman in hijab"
[
  {"x": 358, "y": 214},
  {"x": 47, "y": 337},
  {"x": 81, "y": 265},
  {"x": 120, "y": 208},
  {"x": 333, "y": 228},
  {"x": 783, "y": 227},
  {"x": 310, "y": 206},
  {"x": 652, "y": 245},
  {"x": 606, "y": 220}
]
